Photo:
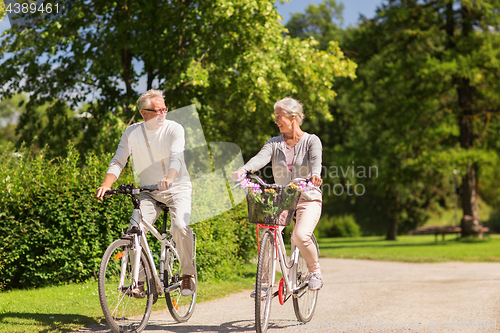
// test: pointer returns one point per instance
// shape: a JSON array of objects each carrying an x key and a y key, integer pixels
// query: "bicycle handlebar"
[
  {"x": 258, "y": 179},
  {"x": 131, "y": 189}
]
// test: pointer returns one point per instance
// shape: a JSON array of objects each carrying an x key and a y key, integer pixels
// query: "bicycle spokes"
[{"x": 126, "y": 303}]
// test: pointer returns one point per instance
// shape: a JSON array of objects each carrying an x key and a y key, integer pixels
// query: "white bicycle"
[
  {"x": 129, "y": 283},
  {"x": 279, "y": 212}
]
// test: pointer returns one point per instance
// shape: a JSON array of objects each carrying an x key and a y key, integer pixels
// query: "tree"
[
  {"x": 10, "y": 109},
  {"x": 322, "y": 22},
  {"x": 461, "y": 52},
  {"x": 228, "y": 57},
  {"x": 422, "y": 105}
]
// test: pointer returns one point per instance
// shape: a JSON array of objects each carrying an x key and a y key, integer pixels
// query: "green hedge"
[
  {"x": 337, "y": 226},
  {"x": 53, "y": 229}
]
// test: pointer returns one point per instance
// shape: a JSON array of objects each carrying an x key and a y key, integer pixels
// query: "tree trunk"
[
  {"x": 126, "y": 59},
  {"x": 470, "y": 223},
  {"x": 151, "y": 77},
  {"x": 392, "y": 233}
]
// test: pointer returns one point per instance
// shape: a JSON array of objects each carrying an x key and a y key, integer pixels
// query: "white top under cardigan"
[{"x": 306, "y": 163}]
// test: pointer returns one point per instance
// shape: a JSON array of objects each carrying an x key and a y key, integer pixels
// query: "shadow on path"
[
  {"x": 228, "y": 327},
  {"x": 50, "y": 322}
]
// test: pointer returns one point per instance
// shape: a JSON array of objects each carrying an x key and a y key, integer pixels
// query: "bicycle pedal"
[
  {"x": 264, "y": 285},
  {"x": 262, "y": 297},
  {"x": 135, "y": 292}
]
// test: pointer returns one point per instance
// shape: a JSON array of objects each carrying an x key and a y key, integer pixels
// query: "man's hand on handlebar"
[
  {"x": 109, "y": 180},
  {"x": 101, "y": 192},
  {"x": 163, "y": 184}
]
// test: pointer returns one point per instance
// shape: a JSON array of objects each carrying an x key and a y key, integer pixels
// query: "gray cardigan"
[{"x": 306, "y": 161}]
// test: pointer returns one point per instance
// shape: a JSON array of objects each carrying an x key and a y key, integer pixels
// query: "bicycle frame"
[
  {"x": 288, "y": 267},
  {"x": 140, "y": 242}
]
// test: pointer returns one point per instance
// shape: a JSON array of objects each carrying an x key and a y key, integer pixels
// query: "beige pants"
[
  {"x": 307, "y": 217},
  {"x": 178, "y": 201}
]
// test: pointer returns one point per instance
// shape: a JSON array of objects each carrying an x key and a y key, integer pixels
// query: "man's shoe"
[
  {"x": 315, "y": 280},
  {"x": 137, "y": 292},
  {"x": 188, "y": 285}
]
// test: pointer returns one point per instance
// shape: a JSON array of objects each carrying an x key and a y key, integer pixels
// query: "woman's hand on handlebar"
[
  {"x": 238, "y": 174},
  {"x": 317, "y": 181}
]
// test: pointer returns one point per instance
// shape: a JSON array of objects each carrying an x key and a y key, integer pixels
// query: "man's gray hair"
[
  {"x": 144, "y": 101},
  {"x": 291, "y": 107}
]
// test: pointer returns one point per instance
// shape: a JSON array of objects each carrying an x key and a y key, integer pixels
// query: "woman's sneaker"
[{"x": 315, "y": 280}]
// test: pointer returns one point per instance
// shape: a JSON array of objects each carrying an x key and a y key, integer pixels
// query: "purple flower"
[
  {"x": 257, "y": 190},
  {"x": 246, "y": 183},
  {"x": 306, "y": 186}
]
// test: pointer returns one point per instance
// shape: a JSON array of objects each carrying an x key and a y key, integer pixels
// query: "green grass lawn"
[
  {"x": 413, "y": 249},
  {"x": 69, "y": 307}
]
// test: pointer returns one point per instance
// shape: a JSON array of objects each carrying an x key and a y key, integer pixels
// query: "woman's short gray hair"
[
  {"x": 144, "y": 101},
  {"x": 291, "y": 107}
]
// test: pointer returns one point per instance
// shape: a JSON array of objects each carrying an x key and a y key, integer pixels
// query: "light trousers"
[
  {"x": 178, "y": 200},
  {"x": 307, "y": 216}
]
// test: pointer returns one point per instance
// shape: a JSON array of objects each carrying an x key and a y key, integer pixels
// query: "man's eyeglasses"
[{"x": 158, "y": 111}]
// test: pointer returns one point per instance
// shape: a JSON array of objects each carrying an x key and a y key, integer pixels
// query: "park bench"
[{"x": 440, "y": 230}]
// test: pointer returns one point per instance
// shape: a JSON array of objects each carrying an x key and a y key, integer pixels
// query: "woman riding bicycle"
[{"x": 295, "y": 154}]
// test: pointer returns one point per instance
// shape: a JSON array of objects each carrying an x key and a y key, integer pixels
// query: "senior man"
[{"x": 156, "y": 147}]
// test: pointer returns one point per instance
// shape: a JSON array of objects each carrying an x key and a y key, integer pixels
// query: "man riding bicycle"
[{"x": 156, "y": 147}]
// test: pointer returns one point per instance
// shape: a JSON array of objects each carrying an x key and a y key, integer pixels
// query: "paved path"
[{"x": 366, "y": 296}]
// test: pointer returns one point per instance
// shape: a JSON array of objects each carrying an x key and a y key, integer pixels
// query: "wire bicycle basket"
[{"x": 272, "y": 205}]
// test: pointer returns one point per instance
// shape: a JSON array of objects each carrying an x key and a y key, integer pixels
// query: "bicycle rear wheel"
[
  {"x": 305, "y": 302},
  {"x": 181, "y": 307},
  {"x": 264, "y": 282},
  {"x": 124, "y": 310}
]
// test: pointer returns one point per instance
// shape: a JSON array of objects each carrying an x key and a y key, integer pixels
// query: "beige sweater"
[{"x": 152, "y": 164}]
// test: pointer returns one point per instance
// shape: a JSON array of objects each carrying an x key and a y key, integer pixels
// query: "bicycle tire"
[
  {"x": 123, "y": 311},
  {"x": 180, "y": 307},
  {"x": 305, "y": 302},
  {"x": 264, "y": 282}
]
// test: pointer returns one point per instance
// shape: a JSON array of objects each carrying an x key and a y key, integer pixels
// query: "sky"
[{"x": 352, "y": 9}]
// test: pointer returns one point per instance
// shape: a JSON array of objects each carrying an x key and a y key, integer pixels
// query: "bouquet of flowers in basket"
[{"x": 273, "y": 205}]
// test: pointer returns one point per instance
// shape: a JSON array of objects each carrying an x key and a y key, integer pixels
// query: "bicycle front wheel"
[
  {"x": 264, "y": 282},
  {"x": 181, "y": 307},
  {"x": 126, "y": 307},
  {"x": 305, "y": 302}
]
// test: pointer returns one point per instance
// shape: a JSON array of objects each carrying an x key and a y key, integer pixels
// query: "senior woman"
[{"x": 295, "y": 154}]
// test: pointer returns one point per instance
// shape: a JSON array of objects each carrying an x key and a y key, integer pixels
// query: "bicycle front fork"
[
  {"x": 137, "y": 259},
  {"x": 136, "y": 250}
]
